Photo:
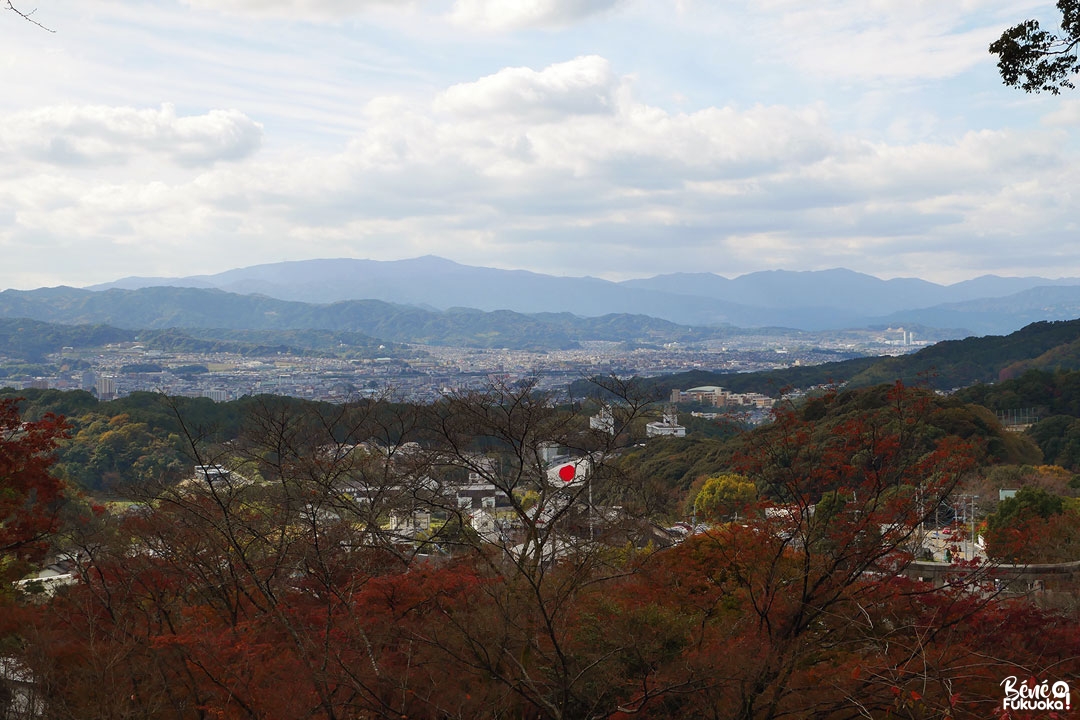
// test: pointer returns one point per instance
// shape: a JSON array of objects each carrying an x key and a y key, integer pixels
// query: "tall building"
[
  {"x": 604, "y": 421},
  {"x": 106, "y": 387}
]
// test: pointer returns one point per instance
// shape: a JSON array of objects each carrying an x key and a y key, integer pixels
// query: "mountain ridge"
[
  {"x": 157, "y": 308},
  {"x": 811, "y": 300}
]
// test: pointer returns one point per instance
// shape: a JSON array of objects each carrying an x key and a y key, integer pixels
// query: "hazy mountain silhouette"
[
  {"x": 808, "y": 300},
  {"x": 155, "y": 308}
]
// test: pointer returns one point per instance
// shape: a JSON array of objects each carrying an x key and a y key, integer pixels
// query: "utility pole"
[
  {"x": 971, "y": 540},
  {"x": 967, "y": 506}
]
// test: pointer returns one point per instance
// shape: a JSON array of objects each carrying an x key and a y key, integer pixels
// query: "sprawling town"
[{"x": 421, "y": 373}]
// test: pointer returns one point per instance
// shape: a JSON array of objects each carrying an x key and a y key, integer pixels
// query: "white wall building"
[{"x": 667, "y": 427}]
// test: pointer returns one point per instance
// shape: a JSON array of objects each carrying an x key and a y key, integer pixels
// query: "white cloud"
[
  {"x": 578, "y": 120},
  {"x": 892, "y": 40},
  {"x": 516, "y": 14},
  {"x": 485, "y": 15},
  {"x": 98, "y": 135},
  {"x": 298, "y": 10},
  {"x": 585, "y": 85},
  {"x": 1065, "y": 116},
  {"x": 559, "y": 166}
]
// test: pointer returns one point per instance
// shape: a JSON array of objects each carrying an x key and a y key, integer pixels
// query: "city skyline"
[{"x": 612, "y": 138}]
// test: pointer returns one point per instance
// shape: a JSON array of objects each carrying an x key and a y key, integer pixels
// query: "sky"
[{"x": 611, "y": 138}]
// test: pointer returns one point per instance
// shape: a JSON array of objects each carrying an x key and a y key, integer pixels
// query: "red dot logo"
[{"x": 567, "y": 473}]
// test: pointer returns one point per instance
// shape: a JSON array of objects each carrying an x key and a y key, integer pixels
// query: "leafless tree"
[{"x": 27, "y": 15}]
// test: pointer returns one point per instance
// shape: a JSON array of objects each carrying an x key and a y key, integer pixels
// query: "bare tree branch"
[{"x": 27, "y": 16}]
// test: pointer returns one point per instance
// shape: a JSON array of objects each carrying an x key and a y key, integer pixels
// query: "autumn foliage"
[
  {"x": 29, "y": 494},
  {"x": 285, "y": 600}
]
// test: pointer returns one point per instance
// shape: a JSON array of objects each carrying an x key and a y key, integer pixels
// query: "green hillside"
[{"x": 944, "y": 366}]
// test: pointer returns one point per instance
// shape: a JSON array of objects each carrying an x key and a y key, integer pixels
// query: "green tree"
[
  {"x": 1035, "y": 59},
  {"x": 117, "y": 453},
  {"x": 1059, "y": 438},
  {"x": 1029, "y": 502},
  {"x": 723, "y": 496},
  {"x": 1033, "y": 526}
]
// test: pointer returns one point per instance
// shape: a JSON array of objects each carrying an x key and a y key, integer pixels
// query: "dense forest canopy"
[{"x": 326, "y": 569}]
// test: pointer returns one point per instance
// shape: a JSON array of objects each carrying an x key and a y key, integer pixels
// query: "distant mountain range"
[
  {"x": 156, "y": 308},
  {"x": 814, "y": 300}
]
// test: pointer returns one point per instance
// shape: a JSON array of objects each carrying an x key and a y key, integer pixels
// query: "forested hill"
[
  {"x": 158, "y": 308},
  {"x": 26, "y": 340},
  {"x": 946, "y": 365},
  {"x": 30, "y": 340},
  {"x": 957, "y": 363}
]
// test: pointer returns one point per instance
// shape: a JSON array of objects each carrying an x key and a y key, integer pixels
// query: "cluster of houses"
[{"x": 716, "y": 396}]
